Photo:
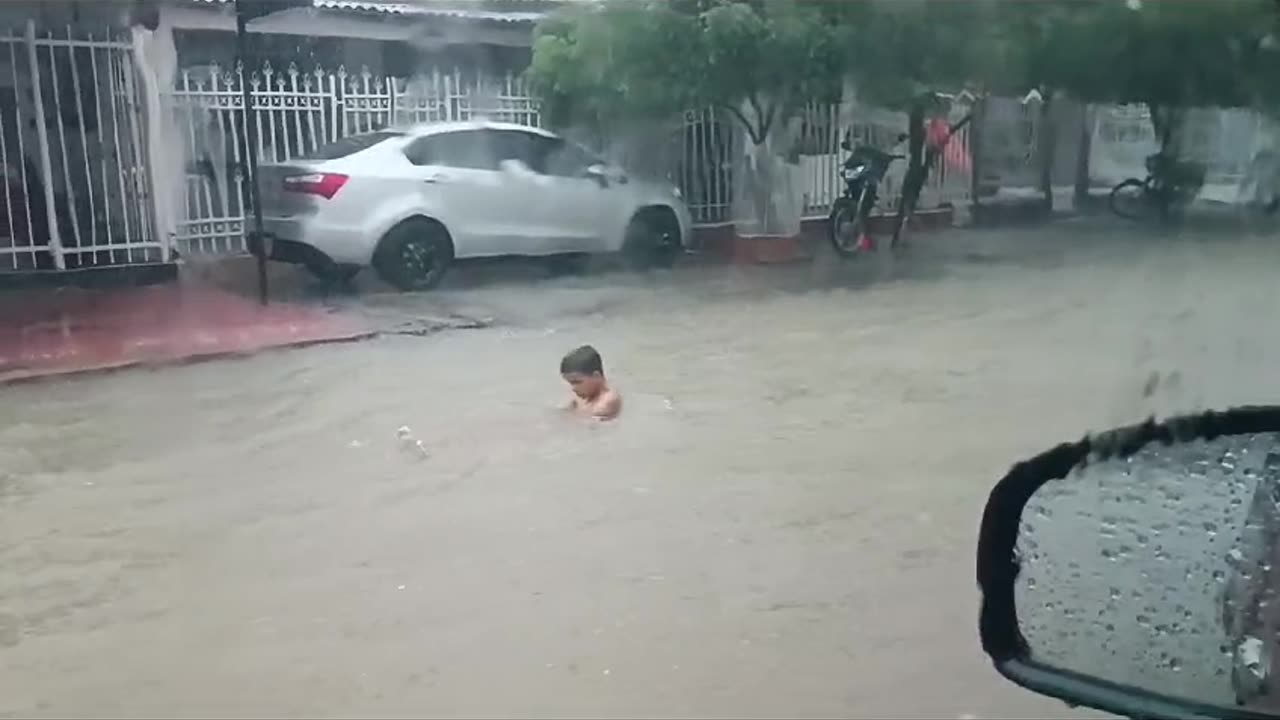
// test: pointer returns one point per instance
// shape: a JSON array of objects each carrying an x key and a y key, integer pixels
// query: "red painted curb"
[
  {"x": 56, "y": 333},
  {"x": 18, "y": 377},
  {"x": 757, "y": 249}
]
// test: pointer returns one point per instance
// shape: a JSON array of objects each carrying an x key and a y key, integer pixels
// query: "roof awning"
[{"x": 458, "y": 10}]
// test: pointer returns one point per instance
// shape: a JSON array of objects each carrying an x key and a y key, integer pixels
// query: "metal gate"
[
  {"x": 72, "y": 154},
  {"x": 297, "y": 112}
]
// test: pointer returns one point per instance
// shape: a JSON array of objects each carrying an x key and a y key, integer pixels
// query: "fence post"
[
  {"x": 339, "y": 103},
  {"x": 42, "y": 145},
  {"x": 393, "y": 101}
]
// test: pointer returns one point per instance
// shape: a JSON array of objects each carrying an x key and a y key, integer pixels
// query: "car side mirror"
[
  {"x": 605, "y": 176},
  {"x": 1137, "y": 571},
  {"x": 512, "y": 166}
]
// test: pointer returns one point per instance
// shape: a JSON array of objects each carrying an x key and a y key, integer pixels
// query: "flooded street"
[{"x": 781, "y": 524}]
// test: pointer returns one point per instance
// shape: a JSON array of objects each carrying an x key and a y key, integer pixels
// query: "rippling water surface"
[{"x": 781, "y": 524}]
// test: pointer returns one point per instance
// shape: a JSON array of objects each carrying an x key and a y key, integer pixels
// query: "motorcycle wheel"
[
  {"x": 1130, "y": 200},
  {"x": 846, "y": 227}
]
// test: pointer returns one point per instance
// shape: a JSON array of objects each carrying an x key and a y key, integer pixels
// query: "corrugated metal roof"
[
  {"x": 403, "y": 8},
  {"x": 454, "y": 9}
]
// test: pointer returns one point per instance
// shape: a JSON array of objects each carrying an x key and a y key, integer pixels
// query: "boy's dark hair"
[{"x": 582, "y": 361}]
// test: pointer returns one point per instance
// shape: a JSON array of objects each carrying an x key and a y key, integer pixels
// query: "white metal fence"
[
  {"x": 72, "y": 152},
  {"x": 296, "y": 113},
  {"x": 950, "y": 183},
  {"x": 1230, "y": 143},
  {"x": 300, "y": 110}
]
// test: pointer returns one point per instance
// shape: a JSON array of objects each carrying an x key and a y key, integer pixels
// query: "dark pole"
[
  {"x": 250, "y": 134},
  {"x": 975, "y": 155}
]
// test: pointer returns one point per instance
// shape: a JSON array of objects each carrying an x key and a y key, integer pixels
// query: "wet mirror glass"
[{"x": 1156, "y": 570}]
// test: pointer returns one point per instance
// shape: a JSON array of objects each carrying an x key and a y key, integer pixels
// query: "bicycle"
[{"x": 1170, "y": 185}]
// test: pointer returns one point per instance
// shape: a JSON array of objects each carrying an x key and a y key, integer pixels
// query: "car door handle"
[{"x": 437, "y": 178}]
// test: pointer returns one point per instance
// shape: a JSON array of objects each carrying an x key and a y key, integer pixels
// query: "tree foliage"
[
  {"x": 1162, "y": 53},
  {"x": 896, "y": 50},
  {"x": 645, "y": 57},
  {"x": 620, "y": 60},
  {"x": 761, "y": 60}
]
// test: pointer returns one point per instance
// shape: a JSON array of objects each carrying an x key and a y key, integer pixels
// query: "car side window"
[
  {"x": 419, "y": 152},
  {"x": 468, "y": 149},
  {"x": 567, "y": 159},
  {"x": 516, "y": 145}
]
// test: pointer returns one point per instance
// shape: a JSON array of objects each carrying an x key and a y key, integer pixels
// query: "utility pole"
[{"x": 246, "y": 11}]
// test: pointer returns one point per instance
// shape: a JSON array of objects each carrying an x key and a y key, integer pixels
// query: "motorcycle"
[{"x": 862, "y": 172}]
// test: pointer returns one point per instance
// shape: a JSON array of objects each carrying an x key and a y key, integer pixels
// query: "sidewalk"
[
  {"x": 54, "y": 332},
  {"x": 210, "y": 311}
]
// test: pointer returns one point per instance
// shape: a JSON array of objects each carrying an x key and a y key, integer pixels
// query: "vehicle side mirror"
[
  {"x": 604, "y": 175},
  {"x": 1136, "y": 571},
  {"x": 511, "y": 166}
]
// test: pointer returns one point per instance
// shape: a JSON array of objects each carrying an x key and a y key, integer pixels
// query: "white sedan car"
[{"x": 409, "y": 202}]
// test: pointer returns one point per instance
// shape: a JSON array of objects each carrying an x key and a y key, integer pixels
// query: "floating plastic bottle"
[{"x": 411, "y": 444}]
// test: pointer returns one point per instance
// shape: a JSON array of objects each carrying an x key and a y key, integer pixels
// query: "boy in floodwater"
[{"x": 584, "y": 371}]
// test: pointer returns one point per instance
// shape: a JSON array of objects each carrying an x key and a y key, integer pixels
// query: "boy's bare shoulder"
[{"x": 608, "y": 405}]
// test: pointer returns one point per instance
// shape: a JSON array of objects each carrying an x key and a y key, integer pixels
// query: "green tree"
[
  {"x": 901, "y": 52},
  {"x": 625, "y": 61},
  {"x": 1058, "y": 48},
  {"x": 898, "y": 50},
  {"x": 1169, "y": 56},
  {"x": 613, "y": 63},
  {"x": 759, "y": 60}
]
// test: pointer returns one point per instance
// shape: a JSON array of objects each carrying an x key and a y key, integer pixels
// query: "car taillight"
[{"x": 326, "y": 185}]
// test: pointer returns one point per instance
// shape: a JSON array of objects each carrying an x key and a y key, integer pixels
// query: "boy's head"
[{"x": 584, "y": 371}]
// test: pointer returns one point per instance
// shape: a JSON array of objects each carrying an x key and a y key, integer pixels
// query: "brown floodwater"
[{"x": 781, "y": 524}]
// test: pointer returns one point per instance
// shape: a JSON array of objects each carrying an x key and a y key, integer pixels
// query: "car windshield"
[{"x": 661, "y": 366}]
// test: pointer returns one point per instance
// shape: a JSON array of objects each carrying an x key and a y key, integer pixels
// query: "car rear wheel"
[
  {"x": 653, "y": 239},
  {"x": 414, "y": 255}
]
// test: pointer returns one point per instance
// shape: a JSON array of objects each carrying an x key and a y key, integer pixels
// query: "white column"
[{"x": 156, "y": 58}]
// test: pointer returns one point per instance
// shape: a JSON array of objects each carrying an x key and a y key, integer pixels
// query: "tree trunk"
[
  {"x": 1164, "y": 123},
  {"x": 764, "y": 202},
  {"x": 913, "y": 180},
  {"x": 1048, "y": 137},
  {"x": 1082, "y": 158}
]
